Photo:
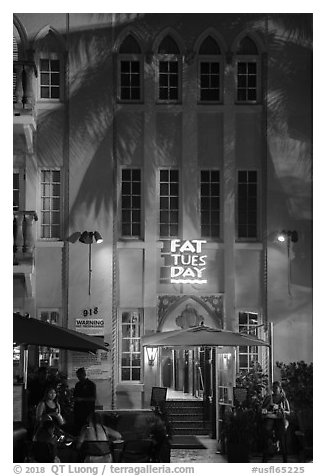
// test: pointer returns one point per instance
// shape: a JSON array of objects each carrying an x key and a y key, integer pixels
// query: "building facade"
[{"x": 185, "y": 141}]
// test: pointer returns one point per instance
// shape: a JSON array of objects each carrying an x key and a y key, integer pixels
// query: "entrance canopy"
[
  {"x": 30, "y": 331},
  {"x": 200, "y": 336}
]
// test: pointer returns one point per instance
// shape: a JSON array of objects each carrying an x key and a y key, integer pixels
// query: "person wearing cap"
[{"x": 84, "y": 399}]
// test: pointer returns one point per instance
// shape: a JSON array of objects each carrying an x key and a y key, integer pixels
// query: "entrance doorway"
[{"x": 186, "y": 373}]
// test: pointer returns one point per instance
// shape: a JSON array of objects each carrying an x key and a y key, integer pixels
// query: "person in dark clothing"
[
  {"x": 37, "y": 386},
  {"x": 84, "y": 399},
  {"x": 44, "y": 446}
]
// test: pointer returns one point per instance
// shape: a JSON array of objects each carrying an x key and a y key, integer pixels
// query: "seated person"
[
  {"x": 94, "y": 441},
  {"x": 44, "y": 447},
  {"x": 275, "y": 409}
]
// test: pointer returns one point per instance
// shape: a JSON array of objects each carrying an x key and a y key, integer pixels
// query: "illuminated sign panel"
[{"x": 188, "y": 263}]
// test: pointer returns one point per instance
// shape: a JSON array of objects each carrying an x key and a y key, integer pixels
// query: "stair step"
[
  {"x": 190, "y": 431},
  {"x": 188, "y": 424},
  {"x": 185, "y": 417},
  {"x": 183, "y": 403}
]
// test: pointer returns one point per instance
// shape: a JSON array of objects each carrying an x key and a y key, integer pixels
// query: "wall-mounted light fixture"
[
  {"x": 289, "y": 237},
  {"x": 88, "y": 238},
  {"x": 151, "y": 355}
]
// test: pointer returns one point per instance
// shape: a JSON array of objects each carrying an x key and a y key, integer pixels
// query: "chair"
[{"x": 137, "y": 451}]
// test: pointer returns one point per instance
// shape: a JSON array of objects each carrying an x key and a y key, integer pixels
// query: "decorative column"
[
  {"x": 29, "y": 236},
  {"x": 18, "y": 237},
  {"x": 18, "y": 69},
  {"x": 28, "y": 90}
]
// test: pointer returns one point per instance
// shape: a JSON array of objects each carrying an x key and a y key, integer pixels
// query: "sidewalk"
[{"x": 209, "y": 455}]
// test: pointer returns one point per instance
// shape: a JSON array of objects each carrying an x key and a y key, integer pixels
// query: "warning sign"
[{"x": 94, "y": 327}]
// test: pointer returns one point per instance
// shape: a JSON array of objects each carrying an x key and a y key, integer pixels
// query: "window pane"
[
  {"x": 55, "y": 93},
  {"x": 125, "y": 66},
  {"x": 45, "y": 79},
  {"x": 131, "y": 202},
  {"x": 252, "y": 95},
  {"x": 174, "y": 94},
  {"x": 210, "y": 203},
  {"x": 51, "y": 203},
  {"x": 135, "y": 67},
  {"x": 174, "y": 188},
  {"x": 55, "y": 79},
  {"x": 55, "y": 65},
  {"x": 125, "y": 374},
  {"x": 135, "y": 374},
  {"x": 45, "y": 92}
]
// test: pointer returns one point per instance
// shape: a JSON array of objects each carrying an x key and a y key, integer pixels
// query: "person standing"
[
  {"x": 275, "y": 411},
  {"x": 84, "y": 399}
]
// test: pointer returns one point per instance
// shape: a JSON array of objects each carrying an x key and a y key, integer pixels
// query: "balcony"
[
  {"x": 24, "y": 240},
  {"x": 23, "y": 101}
]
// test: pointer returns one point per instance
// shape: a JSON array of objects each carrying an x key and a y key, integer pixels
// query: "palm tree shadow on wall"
[{"x": 91, "y": 111}]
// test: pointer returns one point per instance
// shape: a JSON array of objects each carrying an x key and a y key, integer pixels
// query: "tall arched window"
[
  {"x": 248, "y": 71},
  {"x": 169, "y": 67},
  {"x": 210, "y": 71},
  {"x": 49, "y": 51},
  {"x": 130, "y": 71}
]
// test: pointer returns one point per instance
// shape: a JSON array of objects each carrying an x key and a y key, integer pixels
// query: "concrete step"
[
  {"x": 185, "y": 417},
  {"x": 188, "y": 424},
  {"x": 190, "y": 431}
]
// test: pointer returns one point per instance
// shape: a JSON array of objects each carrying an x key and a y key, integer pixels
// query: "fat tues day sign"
[{"x": 186, "y": 261}]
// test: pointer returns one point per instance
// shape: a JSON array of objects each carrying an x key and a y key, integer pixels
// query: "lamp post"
[
  {"x": 88, "y": 238},
  {"x": 290, "y": 237}
]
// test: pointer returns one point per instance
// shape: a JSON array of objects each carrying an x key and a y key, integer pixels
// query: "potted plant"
[
  {"x": 241, "y": 424},
  {"x": 297, "y": 382},
  {"x": 238, "y": 429}
]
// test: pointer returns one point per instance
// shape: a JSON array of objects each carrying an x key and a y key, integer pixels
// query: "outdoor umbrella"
[
  {"x": 30, "y": 331},
  {"x": 200, "y": 336}
]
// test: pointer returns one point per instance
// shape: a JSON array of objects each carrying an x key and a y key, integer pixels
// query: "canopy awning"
[
  {"x": 30, "y": 331},
  {"x": 200, "y": 336}
]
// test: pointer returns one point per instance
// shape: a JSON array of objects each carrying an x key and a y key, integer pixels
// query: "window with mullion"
[
  {"x": 49, "y": 356},
  {"x": 168, "y": 79},
  {"x": 130, "y": 79},
  {"x": 50, "y": 78},
  {"x": 247, "y": 204},
  {"x": 247, "y": 74},
  {"x": 169, "y": 203},
  {"x": 209, "y": 81},
  {"x": 248, "y": 355},
  {"x": 131, "y": 202},
  {"x": 50, "y": 204},
  {"x": 210, "y": 203},
  {"x": 130, "y": 346}
]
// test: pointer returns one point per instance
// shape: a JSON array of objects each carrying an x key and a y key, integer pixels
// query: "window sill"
[
  {"x": 136, "y": 386},
  {"x": 130, "y": 243},
  {"x": 49, "y": 244},
  {"x": 248, "y": 245}
]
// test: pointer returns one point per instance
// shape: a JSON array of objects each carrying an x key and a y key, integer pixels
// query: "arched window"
[
  {"x": 248, "y": 71},
  {"x": 49, "y": 49},
  {"x": 209, "y": 71},
  {"x": 130, "y": 71},
  {"x": 169, "y": 64}
]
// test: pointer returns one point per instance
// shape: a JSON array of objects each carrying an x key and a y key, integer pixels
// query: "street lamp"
[
  {"x": 88, "y": 238},
  {"x": 289, "y": 237}
]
